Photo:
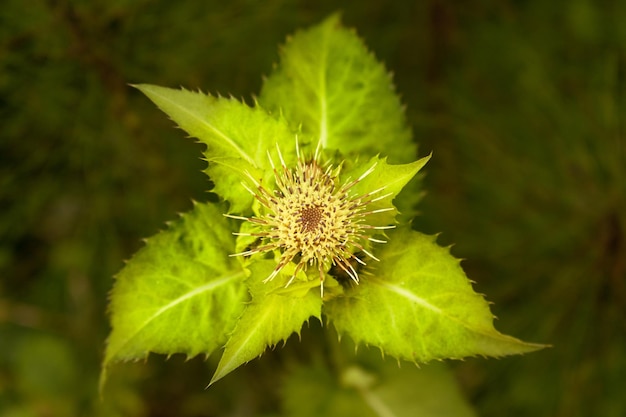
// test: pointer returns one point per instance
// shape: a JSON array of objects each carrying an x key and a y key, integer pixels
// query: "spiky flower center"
[
  {"x": 312, "y": 220},
  {"x": 308, "y": 217},
  {"x": 311, "y": 216}
]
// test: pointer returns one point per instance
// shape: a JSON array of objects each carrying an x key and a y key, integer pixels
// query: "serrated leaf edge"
[
  {"x": 149, "y": 89},
  {"x": 207, "y": 287}
]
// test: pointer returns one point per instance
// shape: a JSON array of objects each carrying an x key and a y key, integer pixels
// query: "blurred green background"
[{"x": 523, "y": 104}]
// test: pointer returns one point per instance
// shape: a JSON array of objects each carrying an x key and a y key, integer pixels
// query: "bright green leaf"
[
  {"x": 181, "y": 293},
  {"x": 418, "y": 305},
  {"x": 237, "y": 136},
  {"x": 328, "y": 83},
  {"x": 392, "y": 177},
  {"x": 272, "y": 316}
]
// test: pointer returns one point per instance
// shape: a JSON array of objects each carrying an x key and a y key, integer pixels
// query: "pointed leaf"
[
  {"x": 391, "y": 178},
  {"x": 271, "y": 317},
  {"x": 237, "y": 136},
  {"x": 331, "y": 85},
  {"x": 418, "y": 305},
  {"x": 181, "y": 293}
]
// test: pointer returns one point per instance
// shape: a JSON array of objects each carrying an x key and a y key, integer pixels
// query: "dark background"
[{"x": 523, "y": 104}]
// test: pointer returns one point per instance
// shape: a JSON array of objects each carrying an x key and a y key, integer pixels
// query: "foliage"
[
  {"x": 526, "y": 127},
  {"x": 183, "y": 293}
]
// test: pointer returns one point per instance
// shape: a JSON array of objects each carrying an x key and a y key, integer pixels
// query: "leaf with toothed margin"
[
  {"x": 181, "y": 293},
  {"x": 238, "y": 138},
  {"x": 418, "y": 305},
  {"x": 272, "y": 316},
  {"x": 389, "y": 179},
  {"x": 331, "y": 86}
]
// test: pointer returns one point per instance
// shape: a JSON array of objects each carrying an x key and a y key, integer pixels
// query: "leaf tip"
[
  {"x": 102, "y": 381},
  {"x": 219, "y": 374},
  {"x": 333, "y": 19}
]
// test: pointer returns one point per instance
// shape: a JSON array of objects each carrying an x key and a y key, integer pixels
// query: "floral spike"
[{"x": 312, "y": 219}]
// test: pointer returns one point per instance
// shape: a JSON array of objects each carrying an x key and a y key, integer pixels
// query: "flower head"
[{"x": 313, "y": 219}]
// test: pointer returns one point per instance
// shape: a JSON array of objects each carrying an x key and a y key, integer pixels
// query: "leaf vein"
[
  {"x": 207, "y": 287},
  {"x": 420, "y": 301},
  {"x": 410, "y": 296},
  {"x": 210, "y": 127},
  {"x": 323, "y": 140}
]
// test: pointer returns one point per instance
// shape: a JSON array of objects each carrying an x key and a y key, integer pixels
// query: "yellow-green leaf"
[
  {"x": 417, "y": 304},
  {"x": 181, "y": 293},
  {"x": 272, "y": 316},
  {"x": 331, "y": 86},
  {"x": 238, "y": 138},
  {"x": 389, "y": 179}
]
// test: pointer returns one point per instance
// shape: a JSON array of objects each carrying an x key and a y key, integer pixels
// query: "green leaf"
[
  {"x": 328, "y": 83},
  {"x": 324, "y": 394},
  {"x": 408, "y": 391},
  {"x": 238, "y": 138},
  {"x": 380, "y": 389},
  {"x": 181, "y": 293},
  {"x": 392, "y": 177},
  {"x": 272, "y": 316},
  {"x": 418, "y": 305}
]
